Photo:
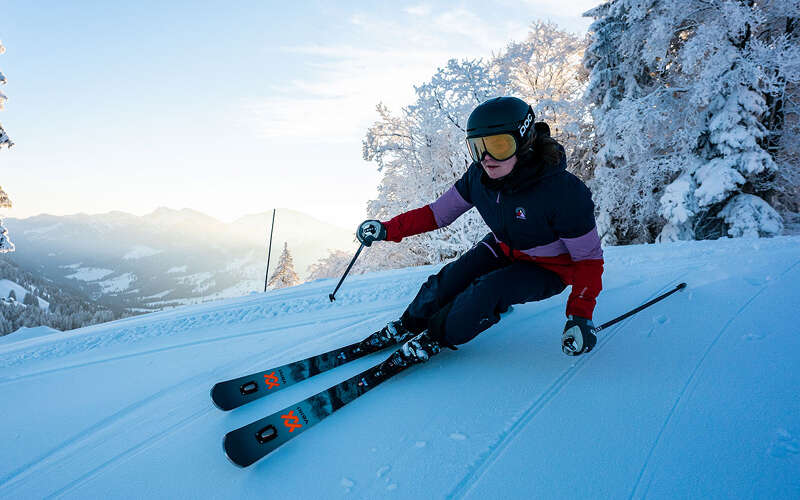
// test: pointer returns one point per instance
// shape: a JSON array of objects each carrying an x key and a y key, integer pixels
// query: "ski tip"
[
  {"x": 227, "y": 455},
  {"x": 215, "y": 400},
  {"x": 681, "y": 286}
]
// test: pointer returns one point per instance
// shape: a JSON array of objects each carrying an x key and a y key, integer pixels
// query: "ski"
[
  {"x": 252, "y": 442},
  {"x": 239, "y": 391},
  {"x": 246, "y": 445}
]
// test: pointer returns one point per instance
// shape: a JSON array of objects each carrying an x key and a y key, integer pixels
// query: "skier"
[{"x": 543, "y": 237}]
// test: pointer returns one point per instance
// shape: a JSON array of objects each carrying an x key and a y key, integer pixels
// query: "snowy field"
[
  {"x": 6, "y": 286},
  {"x": 695, "y": 397}
]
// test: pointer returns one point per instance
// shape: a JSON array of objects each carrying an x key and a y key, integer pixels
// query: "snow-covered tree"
[
  {"x": 783, "y": 117},
  {"x": 284, "y": 275},
  {"x": 682, "y": 95},
  {"x": 5, "y": 243},
  {"x": 5, "y": 141},
  {"x": 545, "y": 70},
  {"x": 787, "y": 157},
  {"x": 421, "y": 154},
  {"x": 334, "y": 265},
  {"x": 328, "y": 267},
  {"x": 65, "y": 311},
  {"x": 5, "y": 201}
]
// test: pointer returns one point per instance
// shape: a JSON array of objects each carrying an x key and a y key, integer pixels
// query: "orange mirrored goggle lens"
[{"x": 500, "y": 147}]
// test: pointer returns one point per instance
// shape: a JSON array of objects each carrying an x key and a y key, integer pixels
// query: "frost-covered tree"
[
  {"x": 5, "y": 141},
  {"x": 421, "y": 154},
  {"x": 328, "y": 267},
  {"x": 545, "y": 70},
  {"x": 681, "y": 94},
  {"x": 636, "y": 150},
  {"x": 783, "y": 117},
  {"x": 334, "y": 265},
  {"x": 5, "y": 201},
  {"x": 787, "y": 157},
  {"x": 284, "y": 275},
  {"x": 5, "y": 243}
]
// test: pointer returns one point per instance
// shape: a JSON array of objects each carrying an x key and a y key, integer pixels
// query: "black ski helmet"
[{"x": 502, "y": 115}]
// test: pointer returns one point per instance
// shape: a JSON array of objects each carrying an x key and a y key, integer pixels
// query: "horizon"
[{"x": 197, "y": 115}]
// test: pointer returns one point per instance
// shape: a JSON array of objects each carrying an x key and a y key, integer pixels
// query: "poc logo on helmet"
[{"x": 525, "y": 125}]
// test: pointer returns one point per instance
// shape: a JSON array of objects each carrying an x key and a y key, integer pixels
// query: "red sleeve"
[
  {"x": 586, "y": 285},
  {"x": 419, "y": 220}
]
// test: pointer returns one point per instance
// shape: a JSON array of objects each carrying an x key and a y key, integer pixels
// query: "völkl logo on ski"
[
  {"x": 271, "y": 380},
  {"x": 291, "y": 421}
]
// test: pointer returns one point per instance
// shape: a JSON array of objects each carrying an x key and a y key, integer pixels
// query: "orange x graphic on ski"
[
  {"x": 271, "y": 380},
  {"x": 290, "y": 420}
]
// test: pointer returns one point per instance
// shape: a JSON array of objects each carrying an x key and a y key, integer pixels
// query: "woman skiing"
[{"x": 543, "y": 236}]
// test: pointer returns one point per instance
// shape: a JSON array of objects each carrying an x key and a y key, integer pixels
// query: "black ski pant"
[{"x": 468, "y": 295}]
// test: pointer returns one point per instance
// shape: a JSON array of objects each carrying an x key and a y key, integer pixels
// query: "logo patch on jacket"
[{"x": 519, "y": 213}]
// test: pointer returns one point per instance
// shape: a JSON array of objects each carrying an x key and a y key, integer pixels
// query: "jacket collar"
[{"x": 544, "y": 159}]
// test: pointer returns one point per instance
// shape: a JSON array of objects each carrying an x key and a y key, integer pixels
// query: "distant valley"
[{"x": 167, "y": 258}]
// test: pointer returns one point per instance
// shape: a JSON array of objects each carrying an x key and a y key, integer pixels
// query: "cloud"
[
  {"x": 338, "y": 104},
  {"x": 357, "y": 19},
  {"x": 418, "y": 10},
  {"x": 379, "y": 58}
]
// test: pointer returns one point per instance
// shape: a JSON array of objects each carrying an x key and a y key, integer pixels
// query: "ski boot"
[
  {"x": 420, "y": 349},
  {"x": 393, "y": 333}
]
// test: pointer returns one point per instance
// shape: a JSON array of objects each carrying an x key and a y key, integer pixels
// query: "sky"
[{"x": 229, "y": 109}]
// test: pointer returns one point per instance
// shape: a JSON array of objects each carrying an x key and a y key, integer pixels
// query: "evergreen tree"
[
  {"x": 684, "y": 98},
  {"x": 12, "y": 295},
  {"x": 30, "y": 300},
  {"x": 284, "y": 275},
  {"x": 66, "y": 311}
]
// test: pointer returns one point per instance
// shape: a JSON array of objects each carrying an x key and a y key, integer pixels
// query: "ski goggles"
[{"x": 499, "y": 146}]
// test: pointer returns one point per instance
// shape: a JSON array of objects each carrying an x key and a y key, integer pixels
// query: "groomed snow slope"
[{"x": 694, "y": 397}]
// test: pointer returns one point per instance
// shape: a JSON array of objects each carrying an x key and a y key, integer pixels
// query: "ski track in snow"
[
  {"x": 221, "y": 338},
  {"x": 102, "y": 432},
  {"x": 124, "y": 437},
  {"x": 283, "y": 306},
  {"x": 524, "y": 416},
  {"x": 784, "y": 445},
  {"x": 512, "y": 431},
  {"x": 689, "y": 387}
]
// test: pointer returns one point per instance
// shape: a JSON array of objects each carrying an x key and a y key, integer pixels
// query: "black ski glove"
[
  {"x": 369, "y": 231},
  {"x": 578, "y": 336}
]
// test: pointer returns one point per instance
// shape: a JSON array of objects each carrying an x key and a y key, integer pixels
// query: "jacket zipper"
[{"x": 503, "y": 226}]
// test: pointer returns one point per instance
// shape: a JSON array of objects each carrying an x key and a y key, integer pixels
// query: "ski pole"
[
  {"x": 634, "y": 311},
  {"x": 331, "y": 296}
]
